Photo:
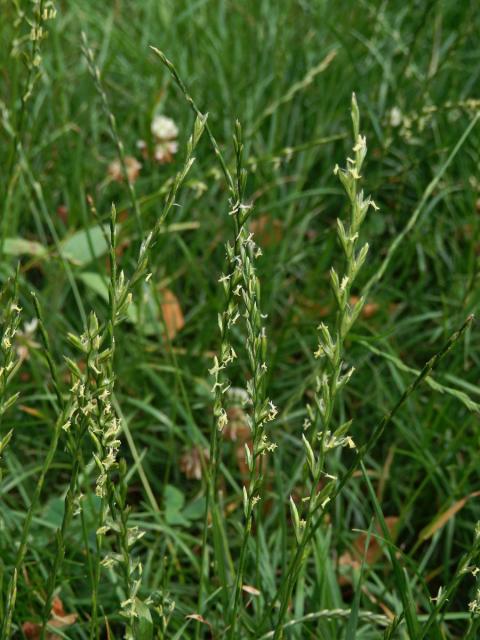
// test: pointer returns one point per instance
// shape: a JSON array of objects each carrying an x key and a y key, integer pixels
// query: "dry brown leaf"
[
  {"x": 369, "y": 308},
  {"x": 191, "y": 462},
  {"x": 442, "y": 519},
  {"x": 318, "y": 307},
  {"x": 31, "y": 411},
  {"x": 267, "y": 231},
  {"x": 354, "y": 557},
  {"x": 31, "y": 630},
  {"x": 62, "y": 212},
  {"x": 59, "y": 620},
  {"x": 172, "y": 313},
  {"x": 198, "y": 618}
]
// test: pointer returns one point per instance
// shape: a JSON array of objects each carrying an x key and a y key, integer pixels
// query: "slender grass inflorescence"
[
  {"x": 88, "y": 419},
  {"x": 8, "y": 367},
  {"x": 226, "y": 320},
  {"x": 26, "y": 46},
  {"x": 102, "y": 424},
  {"x": 246, "y": 284},
  {"x": 93, "y": 415},
  {"x": 366, "y": 448},
  {"x": 10, "y": 361},
  {"x": 240, "y": 285},
  {"x": 87, "y": 409},
  {"x": 104, "y": 431},
  {"x": 334, "y": 375}
]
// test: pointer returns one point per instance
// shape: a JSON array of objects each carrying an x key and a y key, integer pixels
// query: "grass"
[{"x": 170, "y": 527}]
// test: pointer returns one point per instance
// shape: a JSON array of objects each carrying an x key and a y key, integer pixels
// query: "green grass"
[{"x": 286, "y": 70}]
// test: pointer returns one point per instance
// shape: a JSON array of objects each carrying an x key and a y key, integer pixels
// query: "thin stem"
[
  {"x": 376, "y": 435},
  {"x": 112, "y": 123},
  {"x": 18, "y": 131},
  {"x": 331, "y": 381},
  {"x": 12, "y": 587},
  {"x": 262, "y": 409}
]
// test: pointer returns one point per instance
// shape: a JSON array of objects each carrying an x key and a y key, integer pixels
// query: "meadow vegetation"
[{"x": 239, "y": 253}]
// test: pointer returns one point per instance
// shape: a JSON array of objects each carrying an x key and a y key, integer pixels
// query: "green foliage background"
[{"x": 414, "y": 67}]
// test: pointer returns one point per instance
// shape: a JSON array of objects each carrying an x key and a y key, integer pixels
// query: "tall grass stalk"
[
  {"x": 227, "y": 354},
  {"x": 289, "y": 577},
  {"x": 75, "y": 446},
  {"x": 43, "y": 11},
  {"x": 10, "y": 362},
  {"x": 262, "y": 410},
  {"x": 104, "y": 431},
  {"x": 241, "y": 281},
  {"x": 334, "y": 374},
  {"x": 365, "y": 449},
  {"x": 88, "y": 409},
  {"x": 22, "y": 548},
  {"x": 226, "y": 319}
]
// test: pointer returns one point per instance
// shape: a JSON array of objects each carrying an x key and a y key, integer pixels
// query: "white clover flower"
[
  {"x": 164, "y": 128},
  {"x": 24, "y": 338},
  {"x": 164, "y": 151},
  {"x": 165, "y": 132},
  {"x": 132, "y": 166}
]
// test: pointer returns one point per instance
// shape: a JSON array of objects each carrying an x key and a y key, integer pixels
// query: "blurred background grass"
[{"x": 286, "y": 70}]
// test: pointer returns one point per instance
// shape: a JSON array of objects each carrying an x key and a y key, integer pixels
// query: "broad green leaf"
[
  {"x": 174, "y": 501},
  {"x": 86, "y": 245},
  {"x": 195, "y": 510},
  {"x": 95, "y": 282},
  {"x": 157, "y": 316},
  {"x": 20, "y": 246},
  {"x": 53, "y": 512}
]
